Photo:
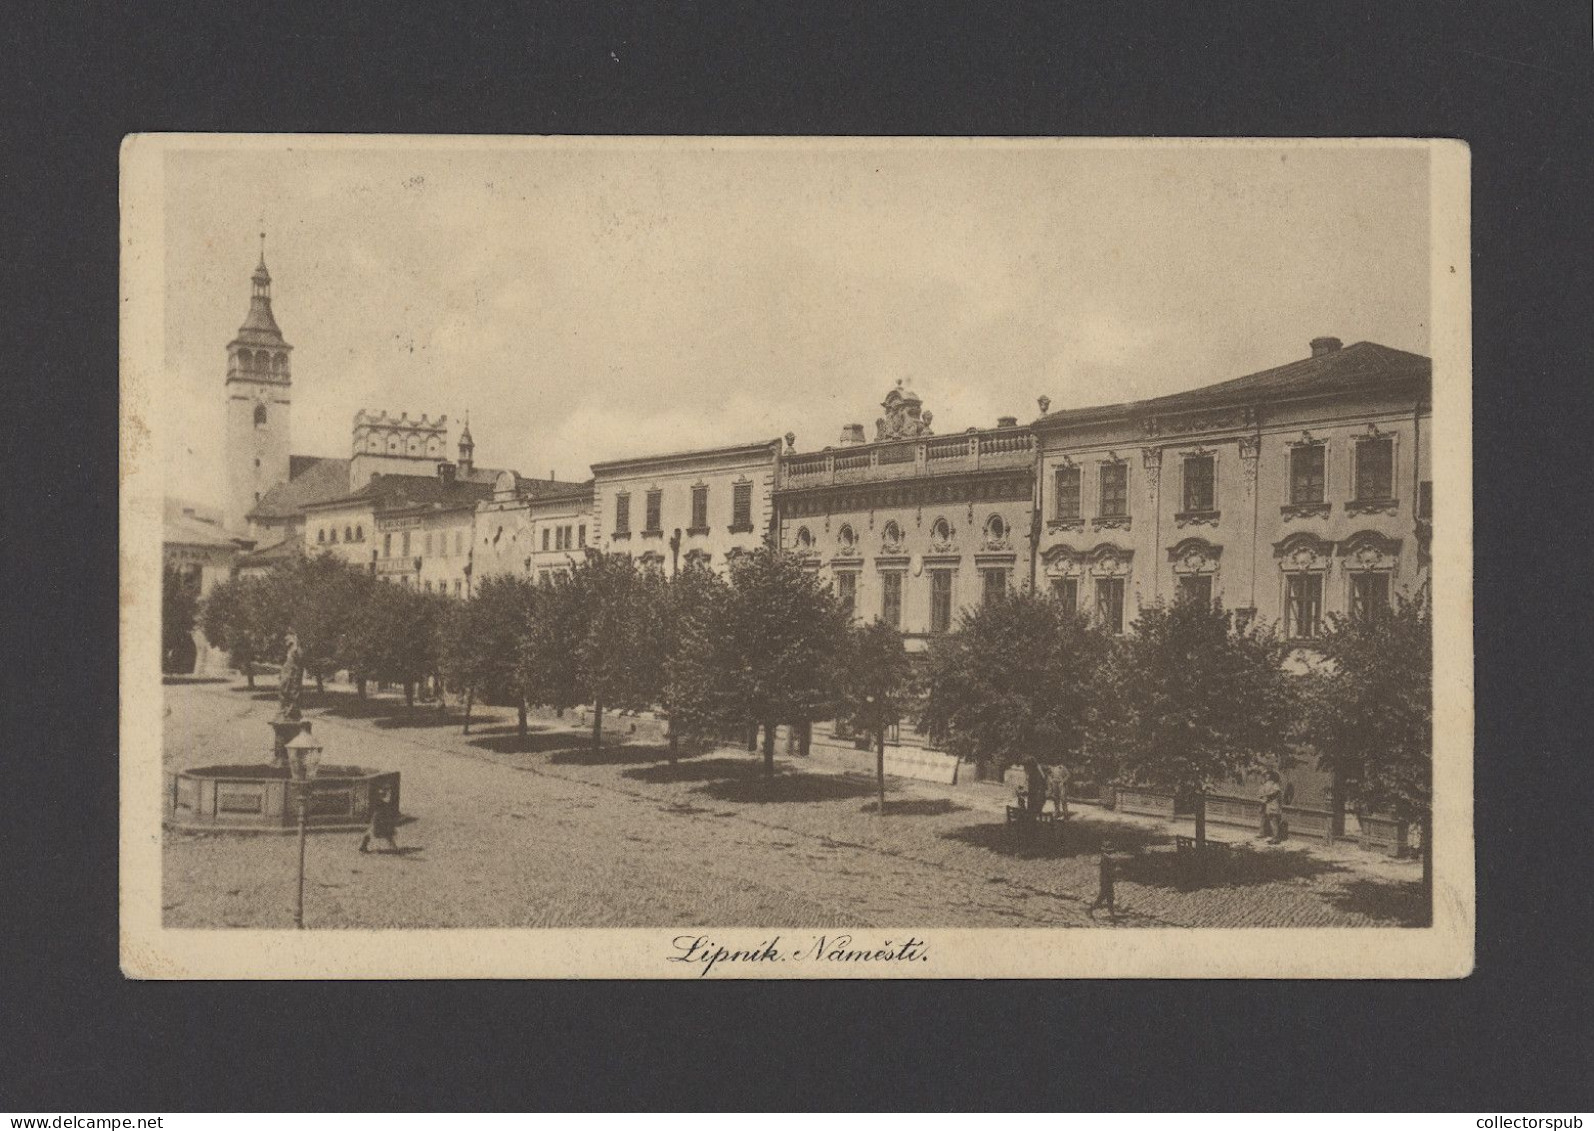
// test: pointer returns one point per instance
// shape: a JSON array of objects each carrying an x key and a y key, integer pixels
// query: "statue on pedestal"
[{"x": 290, "y": 682}]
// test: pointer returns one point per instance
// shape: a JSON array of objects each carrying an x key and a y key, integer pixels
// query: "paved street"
[{"x": 507, "y": 832}]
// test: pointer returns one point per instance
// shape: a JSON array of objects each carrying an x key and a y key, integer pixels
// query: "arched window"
[
  {"x": 334, "y": 538},
  {"x": 805, "y": 540},
  {"x": 995, "y": 528},
  {"x": 941, "y": 533},
  {"x": 321, "y": 535},
  {"x": 891, "y": 537},
  {"x": 260, "y": 415},
  {"x": 846, "y": 538},
  {"x": 359, "y": 532},
  {"x": 348, "y": 535}
]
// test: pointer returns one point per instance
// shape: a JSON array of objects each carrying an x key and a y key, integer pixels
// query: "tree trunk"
[
  {"x": 249, "y": 673},
  {"x": 1336, "y": 804},
  {"x": 805, "y": 739},
  {"x": 409, "y": 695},
  {"x": 880, "y": 766},
  {"x": 320, "y": 684},
  {"x": 360, "y": 686},
  {"x": 597, "y": 725},
  {"x": 1201, "y": 818},
  {"x": 675, "y": 743},
  {"x": 752, "y": 739},
  {"x": 769, "y": 749},
  {"x": 1427, "y": 867},
  {"x": 520, "y": 728},
  {"x": 470, "y": 694}
]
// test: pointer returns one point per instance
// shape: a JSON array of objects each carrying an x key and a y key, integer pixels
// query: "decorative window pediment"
[
  {"x": 1370, "y": 550},
  {"x": 1195, "y": 556},
  {"x": 1109, "y": 560},
  {"x": 891, "y": 538},
  {"x": 941, "y": 537},
  {"x": 996, "y": 535},
  {"x": 1303, "y": 551}
]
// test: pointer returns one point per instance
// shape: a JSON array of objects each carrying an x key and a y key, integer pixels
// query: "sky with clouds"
[{"x": 589, "y": 301}]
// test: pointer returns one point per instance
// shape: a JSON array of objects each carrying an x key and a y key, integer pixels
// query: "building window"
[
  {"x": 1425, "y": 500},
  {"x": 1197, "y": 588},
  {"x": 1369, "y": 595},
  {"x": 334, "y": 538},
  {"x": 570, "y": 537},
  {"x": 348, "y": 534},
  {"x": 1110, "y": 603},
  {"x": 387, "y": 545},
  {"x": 545, "y": 536},
  {"x": 321, "y": 535},
  {"x": 1067, "y": 492},
  {"x": 427, "y": 542},
  {"x": 891, "y": 598},
  {"x": 742, "y": 508},
  {"x": 655, "y": 512},
  {"x": 544, "y": 577},
  {"x": 622, "y": 513},
  {"x": 1306, "y": 474},
  {"x": 846, "y": 539},
  {"x": 459, "y": 542},
  {"x": 941, "y": 600},
  {"x": 260, "y": 415},
  {"x": 1114, "y": 490},
  {"x": 1066, "y": 590},
  {"x": 1303, "y": 605},
  {"x": 1375, "y": 468},
  {"x": 359, "y": 532},
  {"x": 428, "y": 587},
  {"x": 847, "y": 592},
  {"x": 699, "y": 510},
  {"x": 994, "y": 584},
  {"x": 581, "y": 536},
  {"x": 1199, "y": 492},
  {"x": 406, "y": 543}
]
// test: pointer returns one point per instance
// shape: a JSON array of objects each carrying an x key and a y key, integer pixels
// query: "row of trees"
[{"x": 1187, "y": 699}]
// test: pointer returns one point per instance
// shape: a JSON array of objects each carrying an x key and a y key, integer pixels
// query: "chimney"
[
  {"x": 1320, "y": 346},
  {"x": 1007, "y": 422},
  {"x": 851, "y": 434}
]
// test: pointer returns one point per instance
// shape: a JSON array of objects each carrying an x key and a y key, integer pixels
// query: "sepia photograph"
[{"x": 795, "y": 558}]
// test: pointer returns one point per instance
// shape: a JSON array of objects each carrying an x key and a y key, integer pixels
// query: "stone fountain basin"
[{"x": 260, "y": 798}]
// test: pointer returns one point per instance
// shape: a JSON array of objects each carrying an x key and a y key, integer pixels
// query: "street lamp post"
[{"x": 304, "y": 758}]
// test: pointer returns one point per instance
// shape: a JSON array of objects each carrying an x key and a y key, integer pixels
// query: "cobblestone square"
[{"x": 504, "y": 831}]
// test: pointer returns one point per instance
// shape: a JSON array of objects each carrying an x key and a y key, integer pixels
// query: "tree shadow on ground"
[
  {"x": 918, "y": 807},
  {"x": 1238, "y": 866},
  {"x": 580, "y": 753},
  {"x": 177, "y": 680},
  {"x": 526, "y": 744},
  {"x": 422, "y": 718},
  {"x": 1399, "y": 904},
  {"x": 756, "y": 789},
  {"x": 477, "y": 729},
  {"x": 1075, "y": 837},
  {"x": 699, "y": 769}
]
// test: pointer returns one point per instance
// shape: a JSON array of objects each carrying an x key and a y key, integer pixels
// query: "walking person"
[
  {"x": 1107, "y": 874},
  {"x": 1272, "y": 798},
  {"x": 384, "y": 820},
  {"x": 1057, "y": 790}
]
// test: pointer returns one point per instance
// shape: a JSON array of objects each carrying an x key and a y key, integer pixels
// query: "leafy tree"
[
  {"x": 613, "y": 654},
  {"x": 1370, "y": 713},
  {"x": 1021, "y": 677},
  {"x": 877, "y": 687},
  {"x": 481, "y": 638},
  {"x": 243, "y": 615},
  {"x": 179, "y": 612},
  {"x": 544, "y": 672},
  {"x": 779, "y": 631},
  {"x": 394, "y": 636},
  {"x": 1200, "y": 699},
  {"x": 321, "y": 596},
  {"x": 689, "y": 632}
]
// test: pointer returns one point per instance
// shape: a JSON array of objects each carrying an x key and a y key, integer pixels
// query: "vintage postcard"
[{"x": 795, "y": 558}]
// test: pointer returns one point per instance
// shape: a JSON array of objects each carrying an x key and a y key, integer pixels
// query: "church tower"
[{"x": 258, "y": 386}]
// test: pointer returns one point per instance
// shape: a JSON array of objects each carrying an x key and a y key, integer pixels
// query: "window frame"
[
  {"x": 1116, "y": 585},
  {"x": 1358, "y": 449},
  {"x": 1189, "y": 505},
  {"x": 1297, "y": 451},
  {"x": 1120, "y": 469},
  {"x": 891, "y": 586},
  {"x": 942, "y": 582},
  {"x": 1292, "y": 618},
  {"x": 1077, "y": 511}
]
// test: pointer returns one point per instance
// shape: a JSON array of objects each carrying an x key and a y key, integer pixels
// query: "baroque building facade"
[
  {"x": 1290, "y": 494},
  {"x": 912, "y": 527}
]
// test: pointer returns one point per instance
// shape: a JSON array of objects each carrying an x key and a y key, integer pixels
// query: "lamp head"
[{"x": 304, "y": 756}]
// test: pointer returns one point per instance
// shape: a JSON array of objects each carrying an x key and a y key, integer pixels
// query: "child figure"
[
  {"x": 1107, "y": 873},
  {"x": 384, "y": 821}
]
